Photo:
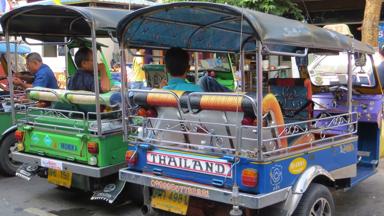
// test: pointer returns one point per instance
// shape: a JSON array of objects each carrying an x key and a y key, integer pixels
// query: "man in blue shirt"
[
  {"x": 177, "y": 65},
  {"x": 83, "y": 78},
  {"x": 44, "y": 77}
]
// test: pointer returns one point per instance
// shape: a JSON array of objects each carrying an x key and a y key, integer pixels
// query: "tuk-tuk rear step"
[
  {"x": 252, "y": 201},
  {"x": 86, "y": 170}
]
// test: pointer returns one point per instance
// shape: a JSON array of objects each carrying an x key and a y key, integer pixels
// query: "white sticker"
[{"x": 52, "y": 164}]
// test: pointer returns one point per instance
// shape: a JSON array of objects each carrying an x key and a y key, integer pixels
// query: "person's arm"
[
  {"x": 17, "y": 81},
  {"x": 105, "y": 83}
]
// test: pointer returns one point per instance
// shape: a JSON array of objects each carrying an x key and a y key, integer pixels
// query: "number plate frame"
[
  {"x": 170, "y": 201},
  {"x": 61, "y": 178}
]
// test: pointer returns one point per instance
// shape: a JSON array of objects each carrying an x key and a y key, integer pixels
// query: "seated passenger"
[
  {"x": 177, "y": 65},
  {"x": 83, "y": 78},
  {"x": 210, "y": 84},
  {"x": 44, "y": 76}
]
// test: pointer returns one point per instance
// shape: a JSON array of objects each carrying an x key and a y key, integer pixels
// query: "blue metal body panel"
[{"x": 272, "y": 176}]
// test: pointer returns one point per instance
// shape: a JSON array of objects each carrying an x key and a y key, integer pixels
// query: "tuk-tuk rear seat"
[{"x": 218, "y": 114}]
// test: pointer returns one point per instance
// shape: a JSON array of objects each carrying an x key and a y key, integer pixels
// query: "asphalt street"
[{"x": 38, "y": 198}]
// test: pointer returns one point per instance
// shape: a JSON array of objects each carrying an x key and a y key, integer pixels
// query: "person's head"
[
  {"x": 177, "y": 62},
  {"x": 84, "y": 59},
  {"x": 34, "y": 62}
]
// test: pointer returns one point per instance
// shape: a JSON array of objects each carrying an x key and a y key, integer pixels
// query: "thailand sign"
[{"x": 197, "y": 164}]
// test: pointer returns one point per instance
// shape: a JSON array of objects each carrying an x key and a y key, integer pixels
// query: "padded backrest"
[{"x": 230, "y": 103}]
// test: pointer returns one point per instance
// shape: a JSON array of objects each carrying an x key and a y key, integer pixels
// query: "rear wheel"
[
  {"x": 317, "y": 201},
  {"x": 8, "y": 166}
]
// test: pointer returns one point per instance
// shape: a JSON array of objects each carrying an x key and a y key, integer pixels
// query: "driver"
[
  {"x": 83, "y": 78},
  {"x": 44, "y": 76},
  {"x": 177, "y": 65}
]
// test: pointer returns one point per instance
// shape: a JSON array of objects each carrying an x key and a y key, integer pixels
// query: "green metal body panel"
[
  {"x": 72, "y": 146},
  {"x": 6, "y": 121}
]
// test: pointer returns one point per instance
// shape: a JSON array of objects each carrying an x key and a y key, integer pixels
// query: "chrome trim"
[
  {"x": 345, "y": 172},
  {"x": 80, "y": 169},
  {"x": 252, "y": 201}
]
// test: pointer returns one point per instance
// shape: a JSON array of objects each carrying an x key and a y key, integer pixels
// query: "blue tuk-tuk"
[{"x": 283, "y": 143}]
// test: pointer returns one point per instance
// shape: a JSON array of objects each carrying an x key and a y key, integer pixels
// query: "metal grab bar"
[
  {"x": 247, "y": 141},
  {"x": 60, "y": 43},
  {"x": 267, "y": 50}
]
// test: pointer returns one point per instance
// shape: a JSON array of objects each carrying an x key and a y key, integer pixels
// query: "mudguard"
[
  {"x": 301, "y": 186},
  {"x": 8, "y": 131}
]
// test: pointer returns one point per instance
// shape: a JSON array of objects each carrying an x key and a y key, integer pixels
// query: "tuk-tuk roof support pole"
[
  {"x": 9, "y": 71},
  {"x": 196, "y": 60},
  {"x": 350, "y": 83},
  {"x": 16, "y": 47},
  {"x": 96, "y": 76},
  {"x": 123, "y": 89},
  {"x": 259, "y": 89},
  {"x": 241, "y": 70},
  {"x": 66, "y": 59}
]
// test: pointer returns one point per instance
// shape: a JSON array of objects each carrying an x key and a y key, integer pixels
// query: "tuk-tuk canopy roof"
[
  {"x": 45, "y": 22},
  {"x": 219, "y": 27}
]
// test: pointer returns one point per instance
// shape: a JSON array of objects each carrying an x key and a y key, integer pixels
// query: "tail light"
[
  {"x": 93, "y": 147},
  {"x": 249, "y": 177},
  {"x": 150, "y": 112},
  {"x": 248, "y": 121},
  {"x": 19, "y": 135},
  {"x": 131, "y": 157}
]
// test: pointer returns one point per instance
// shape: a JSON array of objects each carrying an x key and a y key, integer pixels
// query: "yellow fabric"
[{"x": 138, "y": 74}]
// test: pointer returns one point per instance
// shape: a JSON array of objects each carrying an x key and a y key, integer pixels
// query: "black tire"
[
  {"x": 316, "y": 197},
  {"x": 8, "y": 167}
]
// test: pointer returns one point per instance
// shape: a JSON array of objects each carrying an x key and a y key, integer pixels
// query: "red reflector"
[
  {"x": 249, "y": 177},
  {"x": 131, "y": 157},
  {"x": 248, "y": 121},
  {"x": 151, "y": 113},
  {"x": 19, "y": 135},
  {"x": 93, "y": 147}
]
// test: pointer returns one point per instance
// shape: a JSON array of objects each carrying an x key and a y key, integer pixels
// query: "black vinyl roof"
[
  {"x": 47, "y": 21},
  {"x": 210, "y": 26}
]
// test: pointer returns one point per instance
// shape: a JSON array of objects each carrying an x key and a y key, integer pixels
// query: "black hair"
[
  {"x": 176, "y": 61},
  {"x": 82, "y": 55}
]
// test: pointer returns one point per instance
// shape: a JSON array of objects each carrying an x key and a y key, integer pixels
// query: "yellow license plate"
[
  {"x": 170, "y": 201},
  {"x": 58, "y": 177}
]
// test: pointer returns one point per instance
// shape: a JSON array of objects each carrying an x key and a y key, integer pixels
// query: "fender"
[
  {"x": 301, "y": 186},
  {"x": 8, "y": 131}
]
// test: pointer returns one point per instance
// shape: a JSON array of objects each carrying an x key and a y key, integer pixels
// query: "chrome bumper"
[
  {"x": 80, "y": 169},
  {"x": 203, "y": 191}
]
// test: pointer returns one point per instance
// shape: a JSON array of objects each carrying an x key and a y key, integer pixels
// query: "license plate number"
[
  {"x": 58, "y": 177},
  {"x": 170, "y": 201}
]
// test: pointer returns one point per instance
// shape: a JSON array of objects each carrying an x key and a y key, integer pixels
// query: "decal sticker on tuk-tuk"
[
  {"x": 194, "y": 164},
  {"x": 68, "y": 147},
  {"x": 276, "y": 176},
  {"x": 192, "y": 191},
  {"x": 297, "y": 166}
]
